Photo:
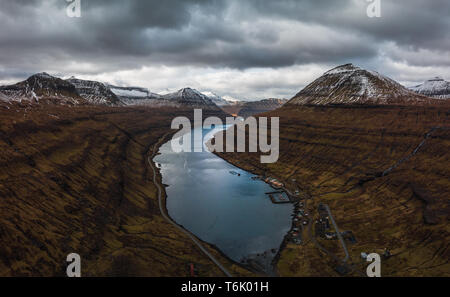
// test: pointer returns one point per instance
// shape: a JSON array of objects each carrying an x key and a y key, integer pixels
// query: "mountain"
[
  {"x": 231, "y": 100},
  {"x": 349, "y": 84},
  {"x": 256, "y": 107},
  {"x": 190, "y": 98},
  {"x": 133, "y": 92},
  {"x": 4, "y": 97},
  {"x": 95, "y": 92},
  {"x": 218, "y": 100},
  {"x": 43, "y": 88},
  {"x": 436, "y": 88},
  {"x": 137, "y": 96}
]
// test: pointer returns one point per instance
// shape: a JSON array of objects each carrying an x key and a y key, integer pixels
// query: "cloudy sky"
[{"x": 247, "y": 49}]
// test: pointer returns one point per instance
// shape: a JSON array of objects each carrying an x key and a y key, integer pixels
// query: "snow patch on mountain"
[
  {"x": 349, "y": 84},
  {"x": 129, "y": 93},
  {"x": 218, "y": 100},
  {"x": 436, "y": 88},
  {"x": 43, "y": 87},
  {"x": 190, "y": 98},
  {"x": 95, "y": 92}
]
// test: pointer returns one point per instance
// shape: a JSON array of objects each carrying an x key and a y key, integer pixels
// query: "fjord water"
[{"x": 220, "y": 207}]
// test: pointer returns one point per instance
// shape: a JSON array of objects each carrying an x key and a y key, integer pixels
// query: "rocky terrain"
[{"x": 436, "y": 88}]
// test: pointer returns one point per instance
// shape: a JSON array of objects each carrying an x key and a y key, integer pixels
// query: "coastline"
[
  {"x": 248, "y": 271},
  {"x": 259, "y": 172}
]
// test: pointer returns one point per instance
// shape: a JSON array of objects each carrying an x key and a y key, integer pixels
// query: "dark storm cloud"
[{"x": 117, "y": 35}]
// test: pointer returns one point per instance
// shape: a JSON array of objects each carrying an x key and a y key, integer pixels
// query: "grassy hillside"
[
  {"x": 337, "y": 156},
  {"x": 75, "y": 179}
]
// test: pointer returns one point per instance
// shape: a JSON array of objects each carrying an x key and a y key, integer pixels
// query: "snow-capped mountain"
[
  {"x": 191, "y": 98},
  {"x": 4, "y": 97},
  {"x": 231, "y": 100},
  {"x": 436, "y": 88},
  {"x": 218, "y": 100},
  {"x": 133, "y": 92},
  {"x": 95, "y": 92},
  {"x": 136, "y": 96},
  {"x": 349, "y": 84},
  {"x": 45, "y": 88}
]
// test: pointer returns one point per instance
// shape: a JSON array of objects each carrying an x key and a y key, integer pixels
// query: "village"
[{"x": 316, "y": 226}]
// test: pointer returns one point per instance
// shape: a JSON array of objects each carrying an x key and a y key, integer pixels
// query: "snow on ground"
[
  {"x": 129, "y": 93},
  {"x": 436, "y": 87}
]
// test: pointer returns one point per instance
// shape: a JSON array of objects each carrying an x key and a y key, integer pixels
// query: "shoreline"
[
  {"x": 164, "y": 197},
  {"x": 258, "y": 172}
]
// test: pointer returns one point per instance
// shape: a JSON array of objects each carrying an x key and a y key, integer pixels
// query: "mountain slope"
[
  {"x": 256, "y": 107},
  {"x": 436, "y": 88},
  {"x": 95, "y": 92},
  {"x": 191, "y": 98},
  {"x": 218, "y": 100},
  {"x": 349, "y": 84},
  {"x": 43, "y": 88},
  {"x": 77, "y": 180},
  {"x": 136, "y": 96},
  {"x": 341, "y": 156}
]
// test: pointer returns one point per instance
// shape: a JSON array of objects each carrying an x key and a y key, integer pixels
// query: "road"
[
  {"x": 168, "y": 219},
  {"x": 338, "y": 233},
  {"x": 332, "y": 255}
]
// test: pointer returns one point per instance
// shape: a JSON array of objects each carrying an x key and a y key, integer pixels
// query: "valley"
[
  {"x": 224, "y": 147},
  {"x": 76, "y": 180},
  {"x": 356, "y": 149}
]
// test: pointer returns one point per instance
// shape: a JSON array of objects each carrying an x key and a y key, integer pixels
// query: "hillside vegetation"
[
  {"x": 384, "y": 173},
  {"x": 75, "y": 179}
]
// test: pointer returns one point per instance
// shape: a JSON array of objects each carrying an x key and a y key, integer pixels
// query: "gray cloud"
[{"x": 115, "y": 35}]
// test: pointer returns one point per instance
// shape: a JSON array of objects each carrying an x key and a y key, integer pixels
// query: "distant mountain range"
[
  {"x": 345, "y": 84},
  {"x": 221, "y": 101},
  {"x": 250, "y": 108},
  {"x": 95, "y": 92},
  {"x": 44, "y": 88},
  {"x": 436, "y": 88}
]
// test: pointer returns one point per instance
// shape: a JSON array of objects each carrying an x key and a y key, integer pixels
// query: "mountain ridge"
[
  {"x": 95, "y": 92},
  {"x": 190, "y": 97},
  {"x": 349, "y": 84},
  {"x": 42, "y": 87},
  {"x": 436, "y": 87}
]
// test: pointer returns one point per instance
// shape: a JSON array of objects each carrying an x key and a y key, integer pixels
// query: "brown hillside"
[
  {"x": 76, "y": 180},
  {"x": 384, "y": 172}
]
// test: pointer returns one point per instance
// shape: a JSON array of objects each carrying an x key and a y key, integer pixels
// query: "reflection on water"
[{"x": 225, "y": 209}]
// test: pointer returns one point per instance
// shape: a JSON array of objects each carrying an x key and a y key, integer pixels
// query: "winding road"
[{"x": 168, "y": 219}]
